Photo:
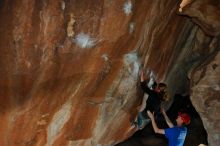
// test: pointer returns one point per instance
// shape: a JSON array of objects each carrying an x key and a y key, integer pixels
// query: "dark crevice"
[{"x": 196, "y": 131}]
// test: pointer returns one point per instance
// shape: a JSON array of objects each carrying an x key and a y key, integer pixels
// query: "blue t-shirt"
[{"x": 176, "y": 135}]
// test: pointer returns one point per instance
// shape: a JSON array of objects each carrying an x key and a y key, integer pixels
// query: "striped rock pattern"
[{"x": 69, "y": 69}]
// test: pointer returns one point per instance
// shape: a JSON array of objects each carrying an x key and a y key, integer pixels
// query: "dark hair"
[
  {"x": 162, "y": 86},
  {"x": 163, "y": 92},
  {"x": 154, "y": 85}
]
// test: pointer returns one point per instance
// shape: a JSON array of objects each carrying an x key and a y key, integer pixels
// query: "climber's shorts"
[{"x": 142, "y": 120}]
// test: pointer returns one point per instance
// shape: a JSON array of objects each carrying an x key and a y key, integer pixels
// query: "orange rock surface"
[{"x": 69, "y": 69}]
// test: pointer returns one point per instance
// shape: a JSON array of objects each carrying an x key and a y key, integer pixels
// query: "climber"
[
  {"x": 156, "y": 94},
  {"x": 175, "y": 134}
]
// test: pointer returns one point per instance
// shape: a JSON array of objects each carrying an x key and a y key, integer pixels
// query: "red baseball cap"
[{"x": 185, "y": 117}]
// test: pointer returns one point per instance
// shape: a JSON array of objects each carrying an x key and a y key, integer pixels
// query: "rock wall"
[
  {"x": 69, "y": 69},
  {"x": 206, "y": 91},
  {"x": 204, "y": 75}
]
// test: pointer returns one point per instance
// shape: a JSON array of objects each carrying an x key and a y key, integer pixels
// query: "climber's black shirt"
[{"x": 153, "y": 102}]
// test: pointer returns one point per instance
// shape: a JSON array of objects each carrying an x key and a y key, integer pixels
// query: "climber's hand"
[
  {"x": 142, "y": 76},
  {"x": 150, "y": 114},
  {"x": 162, "y": 110}
]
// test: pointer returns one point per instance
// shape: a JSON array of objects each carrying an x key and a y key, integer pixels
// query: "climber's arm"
[
  {"x": 154, "y": 124},
  {"x": 144, "y": 85},
  {"x": 168, "y": 121},
  {"x": 143, "y": 104}
]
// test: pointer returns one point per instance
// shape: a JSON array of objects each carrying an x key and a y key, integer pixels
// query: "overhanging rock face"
[
  {"x": 69, "y": 69},
  {"x": 206, "y": 91},
  {"x": 204, "y": 13},
  {"x": 205, "y": 79}
]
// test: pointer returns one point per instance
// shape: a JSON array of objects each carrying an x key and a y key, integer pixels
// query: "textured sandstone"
[
  {"x": 69, "y": 69},
  {"x": 206, "y": 91},
  {"x": 206, "y": 13}
]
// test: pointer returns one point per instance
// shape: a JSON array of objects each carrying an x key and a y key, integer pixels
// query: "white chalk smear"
[
  {"x": 85, "y": 41},
  {"x": 127, "y": 7}
]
